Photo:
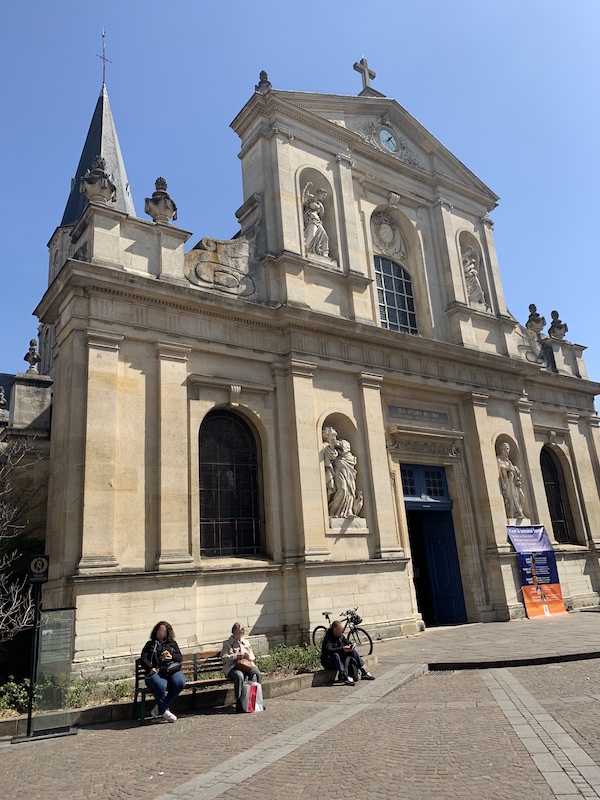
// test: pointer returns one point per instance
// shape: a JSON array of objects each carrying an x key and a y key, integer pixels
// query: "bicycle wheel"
[
  {"x": 362, "y": 642},
  {"x": 318, "y": 635}
]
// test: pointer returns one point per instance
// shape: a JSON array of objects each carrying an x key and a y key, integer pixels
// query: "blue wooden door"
[{"x": 442, "y": 565}]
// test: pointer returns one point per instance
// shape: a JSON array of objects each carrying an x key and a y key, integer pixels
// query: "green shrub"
[
  {"x": 286, "y": 660},
  {"x": 14, "y": 695},
  {"x": 80, "y": 693},
  {"x": 115, "y": 690}
]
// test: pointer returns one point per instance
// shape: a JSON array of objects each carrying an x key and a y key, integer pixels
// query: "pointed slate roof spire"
[{"x": 102, "y": 141}]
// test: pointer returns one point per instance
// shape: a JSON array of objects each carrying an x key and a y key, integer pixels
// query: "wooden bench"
[{"x": 195, "y": 666}]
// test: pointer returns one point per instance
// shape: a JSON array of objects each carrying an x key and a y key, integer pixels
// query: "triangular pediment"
[{"x": 382, "y": 124}]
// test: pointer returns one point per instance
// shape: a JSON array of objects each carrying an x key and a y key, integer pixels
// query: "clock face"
[{"x": 388, "y": 140}]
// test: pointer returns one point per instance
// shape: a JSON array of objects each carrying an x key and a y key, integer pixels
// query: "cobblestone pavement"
[{"x": 528, "y": 731}]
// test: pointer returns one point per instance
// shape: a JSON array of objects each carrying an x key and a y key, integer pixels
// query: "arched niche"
[
  {"x": 345, "y": 431},
  {"x": 230, "y": 486},
  {"x": 558, "y": 485},
  {"x": 510, "y": 478},
  {"x": 312, "y": 182},
  {"x": 474, "y": 272},
  {"x": 394, "y": 239}
]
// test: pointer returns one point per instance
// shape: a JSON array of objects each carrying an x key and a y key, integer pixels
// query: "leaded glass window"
[
  {"x": 395, "y": 297},
  {"x": 558, "y": 499},
  {"x": 230, "y": 514}
]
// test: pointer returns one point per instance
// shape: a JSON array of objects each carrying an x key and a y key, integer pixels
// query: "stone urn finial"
[
  {"x": 32, "y": 357},
  {"x": 160, "y": 206},
  {"x": 264, "y": 84},
  {"x": 535, "y": 323},
  {"x": 558, "y": 328},
  {"x": 97, "y": 184}
]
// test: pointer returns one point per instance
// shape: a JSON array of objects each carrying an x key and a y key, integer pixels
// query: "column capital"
[
  {"x": 103, "y": 340},
  {"x": 370, "y": 380},
  {"x": 172, "y": 351},
  {"x": 571, "y": 418},
  {"x": 476, "y": 399}
]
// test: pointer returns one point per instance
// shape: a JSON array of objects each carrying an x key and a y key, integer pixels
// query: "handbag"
[
  {"x": 252, "y": 697},
  {"x": 169, "y": 669},
  {"x": 244, "y": 665}
]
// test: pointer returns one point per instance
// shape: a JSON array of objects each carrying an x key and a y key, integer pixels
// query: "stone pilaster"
[
  {"x": 530, "y": 464},
  {"x": 377, "y": 474},
  {"x": 100, "y": 465},
  {"x": 174, "y": 547},
  {"x": 308, "y": 489},
  {"x": 583, "y": 456}
]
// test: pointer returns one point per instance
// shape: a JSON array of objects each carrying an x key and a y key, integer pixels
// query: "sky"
[{"x": 508, "y": 86}]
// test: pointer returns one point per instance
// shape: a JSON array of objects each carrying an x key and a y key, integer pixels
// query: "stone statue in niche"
[
  {"x": 511, "y": 483},
  {"x": 557, "y": 329},
  {"x": 315, "y": 235},
  {"x": 343, "y": 499},
  {"x": 470, "y": 262},
  {"x": 386, "y": 236}
]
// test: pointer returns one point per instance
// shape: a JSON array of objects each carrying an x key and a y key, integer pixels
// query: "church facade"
[{"x": 335, "y": 408}]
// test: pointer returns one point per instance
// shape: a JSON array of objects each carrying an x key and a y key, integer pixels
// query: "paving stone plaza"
[{"x": 528, "y": 730}]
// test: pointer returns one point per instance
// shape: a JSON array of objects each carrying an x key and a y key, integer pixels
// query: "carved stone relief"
[
  {"x": 387, "y": 238},
  {"x": 231, "y": 266},
  {"x": 511, "y": 483},
  {"x": 369, "y": 131},
  {"x": 471, "y": 260},
  {"x": 343, "y": 498},
  {"x": 407, "y": 442},
  {"x": 315, "y": 235}
]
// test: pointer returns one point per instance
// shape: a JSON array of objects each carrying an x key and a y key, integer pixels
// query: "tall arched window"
[
  {"x": 230, "y": 518},
  {"x": 395, "y": 297},
  {"x": 558, "y": 499}
]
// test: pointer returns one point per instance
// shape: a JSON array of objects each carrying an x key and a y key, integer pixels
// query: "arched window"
[
  {"x": 395, "y": 297},
  {"x": 558, "y": 499},
  {"x": 230, "y": 518}
]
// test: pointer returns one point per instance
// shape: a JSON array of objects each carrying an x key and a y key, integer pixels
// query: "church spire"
[{"x": 102, "y": 141}]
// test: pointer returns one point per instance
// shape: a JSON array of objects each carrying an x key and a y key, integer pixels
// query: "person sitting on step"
[{"x": 339, "y": 654}]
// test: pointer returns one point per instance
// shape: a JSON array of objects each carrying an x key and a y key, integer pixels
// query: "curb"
[
  {"x": 526, "y": 661},
  {"x": 203, "y": 699}
]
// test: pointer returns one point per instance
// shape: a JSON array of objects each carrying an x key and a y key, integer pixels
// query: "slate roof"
[{"x": 102, "y": 141}]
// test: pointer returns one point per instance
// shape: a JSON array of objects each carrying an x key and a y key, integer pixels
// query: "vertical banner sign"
[{"x": 537, "y": 566}]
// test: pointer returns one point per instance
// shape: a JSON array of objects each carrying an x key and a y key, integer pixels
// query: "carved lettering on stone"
[{"x": 387, "y": 238}]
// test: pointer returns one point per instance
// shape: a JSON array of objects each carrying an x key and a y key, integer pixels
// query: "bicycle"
[{"x": 358, "y": 637}]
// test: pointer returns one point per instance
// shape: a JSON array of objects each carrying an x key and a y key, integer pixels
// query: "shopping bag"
[{"x": 252, "y": 697}]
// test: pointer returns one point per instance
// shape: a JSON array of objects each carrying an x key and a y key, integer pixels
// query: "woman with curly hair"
[{"x": 161, "y": 658}]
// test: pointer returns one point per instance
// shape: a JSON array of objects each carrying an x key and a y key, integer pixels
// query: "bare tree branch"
[{"x": 19, "y": 495}]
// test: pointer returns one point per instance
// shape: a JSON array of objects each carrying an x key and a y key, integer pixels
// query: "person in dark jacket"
[
  {"x": 337, "y": 653},
  {"x": 159, "y": 655}
]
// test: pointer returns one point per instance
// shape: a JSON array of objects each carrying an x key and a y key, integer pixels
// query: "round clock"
[{"x": 388, "y": 140}]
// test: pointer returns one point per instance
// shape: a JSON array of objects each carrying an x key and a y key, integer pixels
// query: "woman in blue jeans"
[{"x": 161, "y": 652}]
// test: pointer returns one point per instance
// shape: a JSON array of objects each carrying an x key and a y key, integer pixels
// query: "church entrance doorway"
[{"x": 436, "y": 568}]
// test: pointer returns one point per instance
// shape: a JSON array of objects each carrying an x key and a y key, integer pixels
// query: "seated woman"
[
  {"x": 234, "y": 649},
  {"x": 164, "y": 681},
  {"x": 337, "y": 653}
]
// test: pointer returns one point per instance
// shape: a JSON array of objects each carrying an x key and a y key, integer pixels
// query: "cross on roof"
[
  {"x": 367, "y": 74},
  {"x": 103, "y": 57}
]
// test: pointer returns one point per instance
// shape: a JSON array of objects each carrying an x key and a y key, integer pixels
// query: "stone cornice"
[{"x": 399, "y": 357}]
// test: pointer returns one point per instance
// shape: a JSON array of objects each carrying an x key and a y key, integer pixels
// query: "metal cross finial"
[
  {"x": 367, "y": 74},
  {"x": 103, "y": 57}
]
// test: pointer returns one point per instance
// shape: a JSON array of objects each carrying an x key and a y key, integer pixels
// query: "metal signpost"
[{"x": 37, "y": 577}]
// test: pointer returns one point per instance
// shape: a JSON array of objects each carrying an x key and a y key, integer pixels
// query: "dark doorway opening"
[
  {"x": 438, "y": 584},
  {"x": 436, "y": 569}
]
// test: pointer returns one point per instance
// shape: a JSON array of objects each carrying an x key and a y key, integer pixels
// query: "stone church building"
[{"x": 334, "y": 408}]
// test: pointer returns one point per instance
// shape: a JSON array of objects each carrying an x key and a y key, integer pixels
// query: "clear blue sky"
[{"x": 510, "y": 87}]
